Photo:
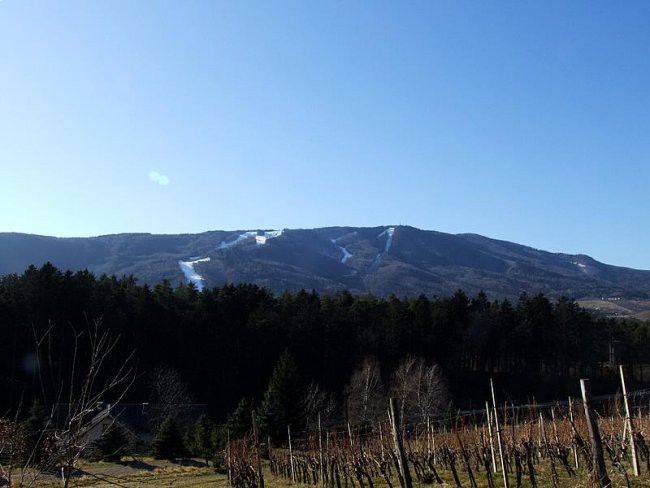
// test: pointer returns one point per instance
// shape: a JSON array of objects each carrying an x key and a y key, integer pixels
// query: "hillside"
[{"x": 379, "y": 260}]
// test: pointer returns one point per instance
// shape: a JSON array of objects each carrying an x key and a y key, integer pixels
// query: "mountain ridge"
[{"x": 381, "y": 260}]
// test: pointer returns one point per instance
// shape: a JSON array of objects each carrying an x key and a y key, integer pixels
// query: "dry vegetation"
[
  {"x": 541, "y": 447},
  {"x": 638, "y": 309}
]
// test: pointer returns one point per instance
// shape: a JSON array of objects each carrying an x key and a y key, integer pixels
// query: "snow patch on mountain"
[
  {"x": 346, "y": 254},
  {"x": 579, "y": 264},
  {"x": 240, "y": 238},
  {"x": 389, "y": 233},
  {"x": 260, "y": 239},
  {"x": 270, "y": 234},
  {"x": 187, "y": 267},
  {"x": 375, "y": 262}
]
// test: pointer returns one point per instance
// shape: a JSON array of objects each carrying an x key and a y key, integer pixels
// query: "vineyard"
[{"x": 586, "y": 442}]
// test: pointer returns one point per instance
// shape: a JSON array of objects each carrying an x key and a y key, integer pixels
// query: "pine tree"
[
  {"x": 281, "y": 404},
  {"x": 239, "y": 421},
  {"x": 168, "y": 443},
  {"x": 112, "y": 445},
  {"x": 33, "y": 427},
  {"x": 200, "y": 440}
]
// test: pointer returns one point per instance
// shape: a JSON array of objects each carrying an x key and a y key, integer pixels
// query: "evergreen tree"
[
  {"x": 168, "y": 443},
  {"x": 33, "y": 427},
  {"x": 230, "y": 338},
  {"x": 281, "y": 404},
  {"x": 200, "y": 440},
  {"x": 239, "y": 421},
  {"x": 112, "y": 445}
]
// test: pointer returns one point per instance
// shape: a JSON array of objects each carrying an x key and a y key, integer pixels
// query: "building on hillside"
[{"x": 140, "y": 421}]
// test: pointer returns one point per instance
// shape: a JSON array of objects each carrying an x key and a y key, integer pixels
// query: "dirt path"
[{"x": 141, "y": 473}]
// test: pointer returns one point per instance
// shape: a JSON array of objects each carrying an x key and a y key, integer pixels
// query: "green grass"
[{"x": 201, "y": 477}]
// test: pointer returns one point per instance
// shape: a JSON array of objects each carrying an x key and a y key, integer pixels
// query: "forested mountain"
[
  {"x": 224, "y": 342},
  {"x": 381, "y": 260}
]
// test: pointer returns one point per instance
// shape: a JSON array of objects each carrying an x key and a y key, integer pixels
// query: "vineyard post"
[
  {"x": 433, "y": 446},
  {"x": 327, "y": 444},
  {"x": 541, "y": 433},
  {"x": 350, "y": 438},
  {"x": 402, "y": 461},
  {"x": 555, "y": 434},
  {"x": 513, "y": 422},
  {"x": 506, "y": 484},
  {"x": 320, "y": 451},
  {"x": 574, "y": 431},
  {"x": 594, "y": 435},
  {"x": 229, "y": 458},
  {"x": 258, "y": 459},
  {"x": 489, "y": 422},
  {"x": 628, "y": 422},
  {"x": 428, "y": 437},
  {"x": 293, "y": 472}
]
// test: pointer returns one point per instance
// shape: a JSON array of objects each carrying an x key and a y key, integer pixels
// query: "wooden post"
[
  {"x": 506, "y": 484},
  {"x": 258, "y": 460},
  {"x": 594, "y": 436},
  {"x": 229, "y": 458},
  {"x": 293, "y": 470},
  {"x": 513, "y": 422},
  {"x": 327, "y": 444},
  {"x": 402, "y": 461},
  {"x": 491, "y": 437},
  {"x": 320, "y": 451},
  {"x": 574, "y": 445},
  {"x": 433, "y": 446},
  {"x": 381, "y": 443},
  {"x": 428, "y": 437},
  {"x": 557, "y": 438},
  {"x": 350, "y": 438},
  {"x": 628, "y": 423}
]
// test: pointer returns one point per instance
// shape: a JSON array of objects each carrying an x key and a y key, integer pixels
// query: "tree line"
[{"x": 224, "y": 343}]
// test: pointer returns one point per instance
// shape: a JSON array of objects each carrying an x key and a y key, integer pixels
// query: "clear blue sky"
[{"x": 520, "y": 120}]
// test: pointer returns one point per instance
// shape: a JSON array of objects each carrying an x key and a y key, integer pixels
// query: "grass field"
[
  {"x": 639, "y": 309},
  {"x": 165, "y": 474},
  {"x": 142, "y": 473}
]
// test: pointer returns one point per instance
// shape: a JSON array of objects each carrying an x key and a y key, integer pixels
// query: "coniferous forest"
[{"x": 222, "y": 345}]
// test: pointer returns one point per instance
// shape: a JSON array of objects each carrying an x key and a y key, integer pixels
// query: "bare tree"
[
  {"x": 169, "y": 393},
  {"x": 12, "y": 449},
  {"x": 419, "y": 388},
  {"x": 431, "y": 392},
  {"x": 87, "y": 399},
  {"x": 317, "y": 402},
  {"x": 365, "y": 393},
  {"x": 64, "y": 437},
  {"x": 402, "y": 386},
  {"x": 168, "y": 387}
]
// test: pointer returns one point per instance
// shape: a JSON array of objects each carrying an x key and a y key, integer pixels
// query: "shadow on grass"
[
  {"x": 190, "y": 462},
  {"x": 138, "y": 464}
]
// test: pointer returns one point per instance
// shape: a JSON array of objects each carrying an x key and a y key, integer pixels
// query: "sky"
[{"x": 519, "y": 120}]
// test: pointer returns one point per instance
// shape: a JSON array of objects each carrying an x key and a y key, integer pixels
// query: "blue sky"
[{"x": 519, "y": 120}]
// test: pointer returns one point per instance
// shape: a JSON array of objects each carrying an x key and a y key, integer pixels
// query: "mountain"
[{"x": 379, "y": 260}]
